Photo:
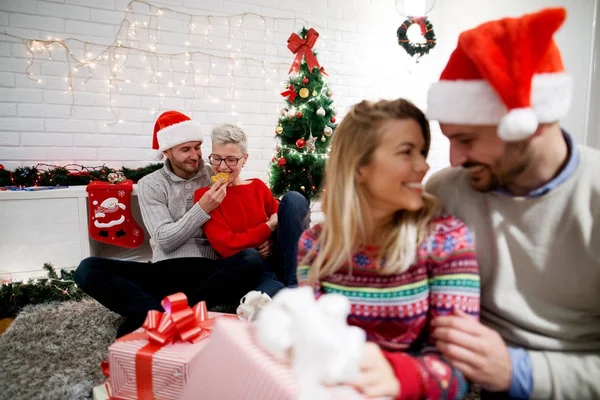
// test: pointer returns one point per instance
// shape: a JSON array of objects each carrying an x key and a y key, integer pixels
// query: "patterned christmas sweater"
[{"x": 395, "y": 310}]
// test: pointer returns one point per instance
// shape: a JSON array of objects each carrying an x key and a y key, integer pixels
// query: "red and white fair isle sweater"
[{"x": 396, "y": 310}]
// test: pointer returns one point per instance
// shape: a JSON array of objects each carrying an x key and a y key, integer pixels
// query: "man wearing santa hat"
[
  {"x": 531, "y": 196},
  {"x": 182, "y": 258}
]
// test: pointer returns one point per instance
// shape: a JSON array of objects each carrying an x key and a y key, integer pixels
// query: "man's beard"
[
  {"x": 496, "y": 180},
  {"x": 189, "y": 168}
]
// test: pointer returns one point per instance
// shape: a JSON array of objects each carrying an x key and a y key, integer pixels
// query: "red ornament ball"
[
  {"x": 305, "y": 80},
  {"x": 1, "y": 167},
  {"x": 281, "y": 162},
  {"x": 299, "y": 114},
  {"x": 300, "y": 143},
  {"x": 333, "y": 120}
]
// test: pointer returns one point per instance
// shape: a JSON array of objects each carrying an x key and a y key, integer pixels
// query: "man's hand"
[
  {"x": 265, "y": 249},
  {"x": 272, "y": 222},
  {"x": 377, "y": 376},
  {"x": 214, "y": 196},
  {"x": 474, "y": 349}
]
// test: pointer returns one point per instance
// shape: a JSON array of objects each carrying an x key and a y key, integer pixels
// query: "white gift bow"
[{"x": 314, "y": 336}]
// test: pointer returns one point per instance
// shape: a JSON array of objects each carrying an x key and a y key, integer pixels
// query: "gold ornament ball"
[
  {"x": 279, "y": 129},
  {"x": 314, "y": 93},
  {"x": 303, "y": 93},
  {"x": 323, "y": 139},
  {"x": 302, "y": 188}
]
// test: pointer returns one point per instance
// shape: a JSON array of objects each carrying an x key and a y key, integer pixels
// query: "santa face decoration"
[{"x": 110, "y": 214}]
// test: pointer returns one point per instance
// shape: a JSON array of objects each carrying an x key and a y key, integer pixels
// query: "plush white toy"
[
  {"x": 251, "y": 304},
  {"x": 314, "y": 337}
]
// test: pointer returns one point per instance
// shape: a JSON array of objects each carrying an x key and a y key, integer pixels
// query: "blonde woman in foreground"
[{"x": 385, "y": 246}]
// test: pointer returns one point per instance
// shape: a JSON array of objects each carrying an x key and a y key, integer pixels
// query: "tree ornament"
[
  {"x": 321, "y": 112},
  {"x": 305, "y": 80},
  {"x": 327, "y": 131},
  {"x": 291, "y": 113},
  {"x": 310, "y": 144},
  {"x": 332, "y": 120},
  {"x": 299, "y": 114},
  {"x": 1, "y": 167},
  {"x": 416, "y": 49},
  {"x": 304, "y": 93},
  {"x": 300, "y": 143},
  {"x": 314, "y": 93},
  {"x": 281, "y": 162},
  {"x": 279, "y": 130},
  {"x": 323, "y": 139},
  {"x": 302, "y": 188},
  {"x": 283, "y": 112},
  {"x": 329, "y": 92}
]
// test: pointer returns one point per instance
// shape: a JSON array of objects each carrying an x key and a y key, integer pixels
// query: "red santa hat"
[
  {"x": 173, "y": 128},
  {"x": 508, "y": 73}
]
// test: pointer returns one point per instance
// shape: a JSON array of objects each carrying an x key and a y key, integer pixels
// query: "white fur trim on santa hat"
[
  {"x": 176, "y": 134},
  {"x": 475, "y": 102},
  {"x": 157, "y": 155},
  {"x": 518, "y": 124}
]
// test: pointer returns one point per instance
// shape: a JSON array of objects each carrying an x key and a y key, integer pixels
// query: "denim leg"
[
  {"x": 293, "y": 218},
  {"x": 236, "y": 276},
  {"x": 131, "y": 289}
]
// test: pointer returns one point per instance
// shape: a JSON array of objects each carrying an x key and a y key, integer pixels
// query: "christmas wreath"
[{"x": 418, "y": 49}]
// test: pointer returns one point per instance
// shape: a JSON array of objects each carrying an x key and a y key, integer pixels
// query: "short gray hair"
[{"x": 230, "y": 134}]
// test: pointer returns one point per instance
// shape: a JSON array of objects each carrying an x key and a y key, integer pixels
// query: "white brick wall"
[{"x": 357, "y": 47}]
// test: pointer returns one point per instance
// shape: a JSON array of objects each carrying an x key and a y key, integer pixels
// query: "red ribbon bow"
[
  {"x": 303, "y": 48},
  {"x": 290, "y": 92},
  {"x": 421, "y": 22},
  {"x": 179, "y": 322}
]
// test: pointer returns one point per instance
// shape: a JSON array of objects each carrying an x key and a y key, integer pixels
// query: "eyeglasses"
[{"x": 229, "y": 161}]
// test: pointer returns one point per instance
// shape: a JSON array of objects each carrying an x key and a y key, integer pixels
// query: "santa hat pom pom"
[
  {"x": 518, "y": 124},
  {"x": 157, "y": 155}
]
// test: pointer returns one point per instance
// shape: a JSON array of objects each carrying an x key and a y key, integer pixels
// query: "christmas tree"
[{"x": 306, "y": 123}]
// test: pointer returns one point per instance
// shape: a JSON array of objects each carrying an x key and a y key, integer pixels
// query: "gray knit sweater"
[{"x": 170, "y": 215}]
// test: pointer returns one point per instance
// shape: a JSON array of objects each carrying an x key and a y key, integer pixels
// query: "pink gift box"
[
  {"x": 172, "y": 365},
  {"x": 232, "y": 366}
]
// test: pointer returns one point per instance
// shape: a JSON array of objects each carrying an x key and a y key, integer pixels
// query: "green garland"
[
  {"x": 69, "y": 175},
  {"x": 16, "y": 295},
  {"x": 416, "y": 49}
]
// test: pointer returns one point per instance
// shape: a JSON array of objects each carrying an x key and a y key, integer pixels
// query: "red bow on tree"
[
  {"x": 303, "y": 48},
  {"x": 290, "y": 92}
]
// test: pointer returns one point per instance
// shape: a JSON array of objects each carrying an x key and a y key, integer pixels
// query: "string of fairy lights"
[{"x": 173, "y": 70}]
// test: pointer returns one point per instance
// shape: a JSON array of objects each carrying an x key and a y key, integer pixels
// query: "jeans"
[
  {"x": 131, "y": 289},
  {"x": 293, "y": 218}
]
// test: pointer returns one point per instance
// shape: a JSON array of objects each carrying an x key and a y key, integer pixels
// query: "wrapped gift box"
[
  {"x": 233, "y": 367},
  {"x": 166, "y": 377},
  {"x": 102, "y": 392}
]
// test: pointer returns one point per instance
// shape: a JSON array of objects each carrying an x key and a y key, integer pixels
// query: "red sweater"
[{"x": 239, "y": 222}]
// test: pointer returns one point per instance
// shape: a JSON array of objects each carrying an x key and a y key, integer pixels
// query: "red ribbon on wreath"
[
  {"x": 421, "y": 22},
  {"x": 290, "y": 92},
  {"x": 303, "y": 48}
]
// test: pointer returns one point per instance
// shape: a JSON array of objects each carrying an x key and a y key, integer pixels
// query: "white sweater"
[{"x": 539, "y": 260}]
